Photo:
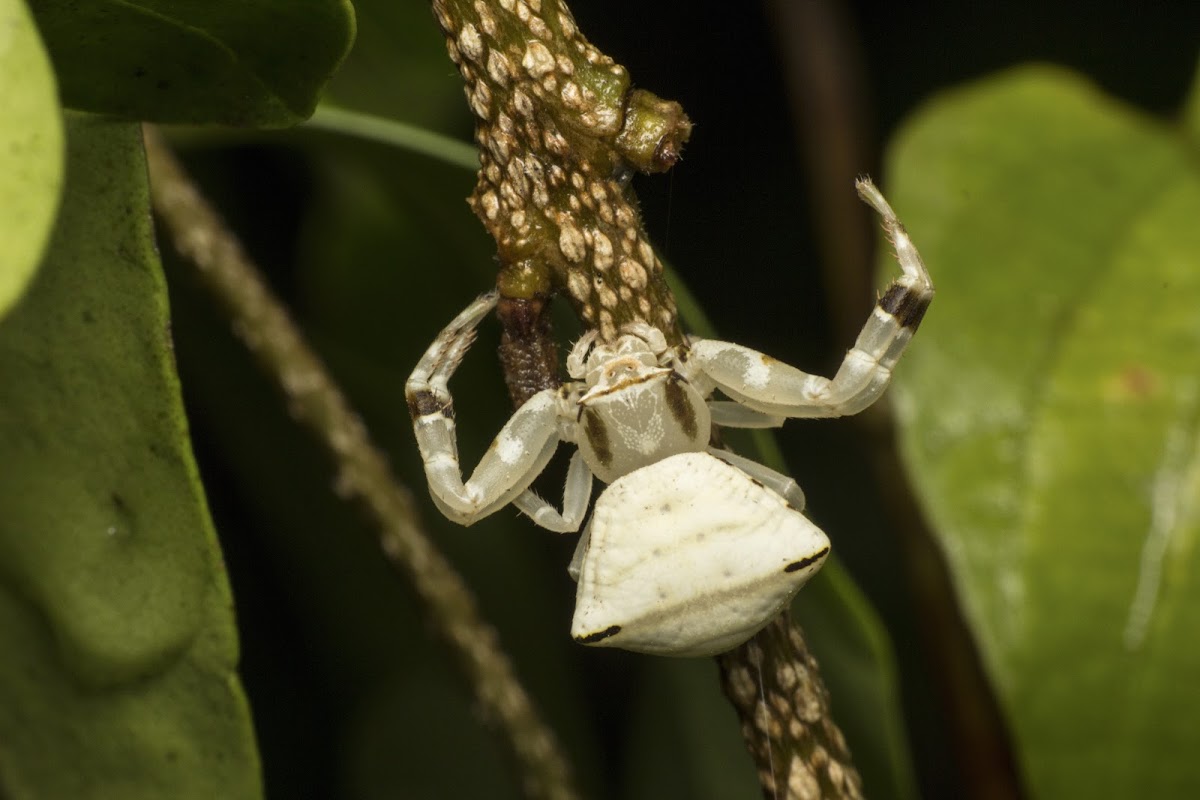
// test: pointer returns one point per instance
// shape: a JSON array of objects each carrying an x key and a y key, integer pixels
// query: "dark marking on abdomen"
[
  {"x": 807, "y": 562},
  {"x": 592, "y": 638}
]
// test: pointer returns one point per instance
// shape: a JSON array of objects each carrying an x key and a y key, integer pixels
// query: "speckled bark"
[
  {"x": 560, "y": 132},
  {"x": 775, "y": 685}
]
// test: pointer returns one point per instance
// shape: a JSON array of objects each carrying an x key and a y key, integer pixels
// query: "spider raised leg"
[
  {"x": 516, "y": 456},
  {"x": 763, "y": 384}
]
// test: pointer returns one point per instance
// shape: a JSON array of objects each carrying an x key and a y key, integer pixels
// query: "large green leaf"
[
  {"x": 30, "y": 150},
  {"x": 115, "y": 616},
  {"x": 235, "y": 62},
  {"x": 1051, "y": 416}
]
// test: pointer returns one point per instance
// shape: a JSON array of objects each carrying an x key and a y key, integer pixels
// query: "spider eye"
[{"x": 620, "y": 369}]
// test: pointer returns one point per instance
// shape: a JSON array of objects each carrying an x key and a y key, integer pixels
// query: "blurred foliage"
[
  {"x": 234, "y": 62},
  {"x": 118, "y": 676},
  {"x": 1051, "y": 415},
  {"x": 31, "y": 151},
  {"x": 1054, "y": 220}
]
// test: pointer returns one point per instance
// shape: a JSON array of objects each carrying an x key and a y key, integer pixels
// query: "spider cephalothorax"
[
  {"x": 690, "y": 549},
  {"x": 634, "y": 405}
]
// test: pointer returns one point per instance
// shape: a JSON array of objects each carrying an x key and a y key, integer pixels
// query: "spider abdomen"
[{"x": 690, "y": 556}]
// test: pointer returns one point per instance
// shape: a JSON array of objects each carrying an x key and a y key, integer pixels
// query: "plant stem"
[
  {"x": 363, "y": 475},
  {"x": 775, "y": 686},
  {"x": 560, "y": 130},
  {"x": 393, "y": 132}
]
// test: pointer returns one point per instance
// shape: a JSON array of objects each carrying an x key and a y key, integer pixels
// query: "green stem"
[{"x": 399, "y": 134}]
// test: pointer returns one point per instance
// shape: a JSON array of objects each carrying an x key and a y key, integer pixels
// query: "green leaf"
[
  {"x": 1191, "y": 113},
  {"x": 31, "y": 150},
  {"x": 118, "y": 679},
  {"x": 1051, "y": 417},
  {"x": 233, "y": 62}
]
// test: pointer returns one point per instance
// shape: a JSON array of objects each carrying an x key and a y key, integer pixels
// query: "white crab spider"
[{"x": 691, "y": 549}]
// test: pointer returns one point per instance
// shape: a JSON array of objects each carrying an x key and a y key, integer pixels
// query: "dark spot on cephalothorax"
[
  {"x": 904, "y": 303},
  {"x": 677, "y": 402},
  {"x": 592, "y": 638},
  {"x": 597, "y": 436},
  {"x": 807, "y": 562},
  {"x": 422, "y": 402}
]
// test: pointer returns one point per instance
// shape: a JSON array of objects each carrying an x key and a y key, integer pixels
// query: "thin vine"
[{"x": 363, "y": 475}]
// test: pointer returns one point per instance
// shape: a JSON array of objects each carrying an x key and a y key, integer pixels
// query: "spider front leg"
[
  {"x": 517, "y": 455},
  {"x": 777, "y": 389}
]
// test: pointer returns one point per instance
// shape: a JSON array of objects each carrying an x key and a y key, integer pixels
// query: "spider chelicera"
[{"x": 691, "y": 549}]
